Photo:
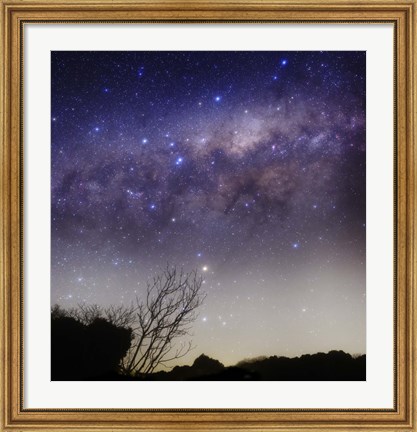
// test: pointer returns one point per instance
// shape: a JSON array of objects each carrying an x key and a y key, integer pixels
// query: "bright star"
[
  {"x": 218, "y": 98},
  {"x": 205, "y": 268},
  {"x": 144, "y": 141},
  {"x": 296, "y": 245},
  {"x": 179, "y": 161},
  {"x": 284, "y": 62}
]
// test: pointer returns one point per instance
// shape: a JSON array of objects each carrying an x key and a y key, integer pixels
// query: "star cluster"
[{"x": 247, "y": 166}]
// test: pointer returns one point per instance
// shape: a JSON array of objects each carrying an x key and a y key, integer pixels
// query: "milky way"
[{"x": 247, "y": 166}]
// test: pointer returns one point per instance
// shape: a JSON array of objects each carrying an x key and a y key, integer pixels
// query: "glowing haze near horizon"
[{"x": 247, "y": 166}]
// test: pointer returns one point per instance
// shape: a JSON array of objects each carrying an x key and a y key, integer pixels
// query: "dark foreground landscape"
[
  {"x": 333, "y": 366},
  {"x": 95, "y": 351}
]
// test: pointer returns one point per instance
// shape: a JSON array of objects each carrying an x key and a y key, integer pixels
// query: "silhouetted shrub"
[{"x": 83, "y": 352}]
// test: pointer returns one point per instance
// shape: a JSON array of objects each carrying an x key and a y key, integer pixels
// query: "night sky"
[{"x": 247, "y": 166}]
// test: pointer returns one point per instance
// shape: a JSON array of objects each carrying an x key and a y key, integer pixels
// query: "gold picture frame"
[{"x": 15, "y": 13}]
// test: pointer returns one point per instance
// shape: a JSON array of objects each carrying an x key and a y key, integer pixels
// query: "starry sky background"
[{"x": 247, "y": 166}]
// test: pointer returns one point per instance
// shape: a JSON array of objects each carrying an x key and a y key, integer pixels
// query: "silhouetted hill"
[
  {"x": 202, "y": 366},
  {"x": 333, "y": 366}
]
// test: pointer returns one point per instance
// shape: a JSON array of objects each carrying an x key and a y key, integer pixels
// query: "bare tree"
[
  {"x": 166, "y": 315},
  {"x": 157, "y": 322}
]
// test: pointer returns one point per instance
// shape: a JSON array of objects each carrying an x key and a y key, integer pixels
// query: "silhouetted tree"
[
  {"x": 155, "y": 324},
  {"x": 165, "y": 315}
]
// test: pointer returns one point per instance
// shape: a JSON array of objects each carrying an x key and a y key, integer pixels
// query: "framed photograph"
[{"x": 208, "y": 215}]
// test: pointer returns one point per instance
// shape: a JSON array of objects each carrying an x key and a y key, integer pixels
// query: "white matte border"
[{"x": 377, "y": 41}]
